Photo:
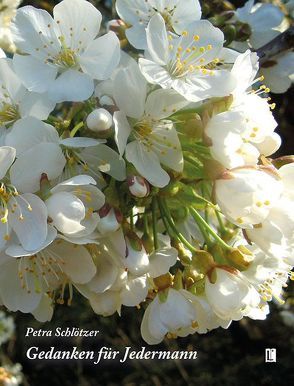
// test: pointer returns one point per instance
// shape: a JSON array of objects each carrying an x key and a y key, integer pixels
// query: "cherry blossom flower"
[
  {"x": 189, "y": 63},
  {"x": 138, "y": 14},
  {"x": 63, "y": 54}
]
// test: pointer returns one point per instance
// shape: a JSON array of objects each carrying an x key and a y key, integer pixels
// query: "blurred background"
[{"x": 225, "y": 357}]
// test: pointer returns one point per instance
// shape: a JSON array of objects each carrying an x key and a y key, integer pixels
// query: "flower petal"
[
  {"x": 29, "y": 132},
  {"x": 78, "y": 263},
  {"x": 35, "y": 75},
  {"x": 79, "y": 21},
  {"x": 26, "y": 172},
  {"x": 71, "y": 86},
  {"x": 7, "y": 157},
  {"x": 130, "y": 89},
  {"x": 122, "y": 130},
  {"x": 157, "y": 40},
  {"x": 29, "y": 221},
  {"x": 66, "y": 211},
  {"x": 147, "y": 164},
  {"x": 101, "y": 57}
]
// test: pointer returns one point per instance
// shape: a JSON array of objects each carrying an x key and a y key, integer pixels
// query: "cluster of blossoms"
[
  {"x": 141, "y": 176},
  {"x": 10, "y": 375}
]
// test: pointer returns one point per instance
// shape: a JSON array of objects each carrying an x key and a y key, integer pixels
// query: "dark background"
[{"x": 226, "y": 357}]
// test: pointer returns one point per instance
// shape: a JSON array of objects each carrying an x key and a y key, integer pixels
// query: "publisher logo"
[{"x": 270, "y": 355}]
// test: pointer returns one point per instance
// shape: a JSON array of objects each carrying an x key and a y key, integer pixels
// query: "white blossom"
[{"x": 64, "y": 55}]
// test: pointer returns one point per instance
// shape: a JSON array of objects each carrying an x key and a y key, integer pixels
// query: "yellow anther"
[
  {"x": 196, "y": 38},
  {"x": 209, "y": 47},
  {"x": 202, "y": 49},
  {"x": 188, "y": 50},
  {"x": 259, "y": 204},
  {"x": 240, "y": 220},
  {"x": 170, "y": 47},
  {"x": 180, "y": 49},
  {"x": 267, "y": 202},
  {"x": 30, "y": 208},
  {"x": 185, "y": 33}
]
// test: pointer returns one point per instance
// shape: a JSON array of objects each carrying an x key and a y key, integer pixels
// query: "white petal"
[
  {"x": 14, "y": 297},
  {"x": 122, "y": 130},
  {"x": 105, "y": 304},
  {"x": 147, "y": 164},
  {"x": 106, "y": 275},
  {"x": 79, "y": 21},
  {"x": 78, "y": 263},
  {"x": 163, "y": 103},
  {"x": 31, "y": 228},
  {"x": 101, "y": 57},
  {"x": 135, "y": 291},
  {"x": 186, "y": 15},
  {"x": 44, "y": 312},
  {"x": 33, "y": 28},
  {"x": 154, "y": 73},
  {"x": 36, "y": 105},
  {"x": 74, "y": 181},
  {"x": 103, "y": 155},
  {"x": 136, "y": 35},
  {"x": 128, "y": 10},
  {"x": 71, "y": 86},
  {"x": 35, "y": 75},
  {"x": 7, "y": 157},
  {"x": 161, "y": 260},
  {"x": 66, "y": 211},
  {"x": 9, "y": 80},
  {"x": 157, "y": 40},
  {"x": 16, "y": 250},
  {"x": 79, "y": 142},
  {"x": 29, "y": 132},
  {"x": 130, "y": 89},
  {"x": 26, "y": 172}
]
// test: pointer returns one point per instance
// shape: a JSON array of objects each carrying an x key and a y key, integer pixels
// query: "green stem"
[
  {"x": 76, "y": 129},
  {"x": 154, "y": 223},
  {"x": 165, "y": 213},
  {"x": 201, "y": 221}
]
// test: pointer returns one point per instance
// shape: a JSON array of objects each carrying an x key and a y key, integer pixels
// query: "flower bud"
[
  {"x": 99, "y": 120},
  {"x": 110, "y": 219},
  {"x": 138, "y": 186}
]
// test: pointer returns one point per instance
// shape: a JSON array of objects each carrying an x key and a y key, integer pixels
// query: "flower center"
[
  {"x": 66, "y": 58},
  {"x": 8, "y": 114},
  {"x": 189, "y": 57},
  {"x": 143, "y": 128}
]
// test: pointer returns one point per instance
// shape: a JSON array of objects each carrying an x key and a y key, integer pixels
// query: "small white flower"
[
  {"x": 168, "y": 316},
  {"x": 144, "y": 120},
  {"x": 63, "y": 54},
  {"x": 268, "y": 274},
  {"x": 72, "y": 206},
  {"x": 27, "y": 276},
  {"x": 228, "y": 134},
  {"x": 22, "y": 214},
  {"x": 16, "y": 101},
  {"x": 188, "y": 63},
  {"x": 138, "y": 14},
  {"x": 230, "y": 295},
  {"x": 246, "y": 195}
]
